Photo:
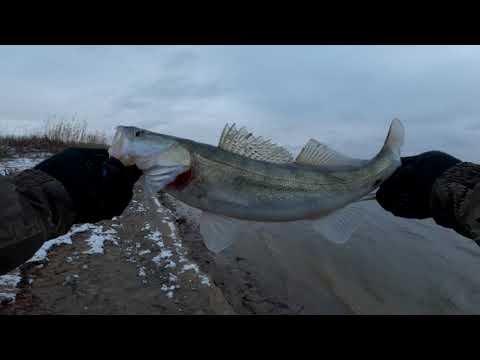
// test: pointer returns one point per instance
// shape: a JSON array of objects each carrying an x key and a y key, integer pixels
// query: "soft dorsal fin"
[
  {"x": 316, "y": 153},
  {"x": 242, "y": 142}
]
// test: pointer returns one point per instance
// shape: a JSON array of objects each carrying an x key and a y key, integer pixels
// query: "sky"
[{"x": 343, "y": 96}]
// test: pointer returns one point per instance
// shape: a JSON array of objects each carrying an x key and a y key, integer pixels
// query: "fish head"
[{"x": 148, "y": 150}]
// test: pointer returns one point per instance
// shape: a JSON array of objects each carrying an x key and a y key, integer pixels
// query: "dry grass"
[{"x": 56, "y": 136}]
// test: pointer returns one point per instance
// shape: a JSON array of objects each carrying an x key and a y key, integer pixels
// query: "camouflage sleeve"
[
  {"x": 455, "y": 200},
  {"x": 34, "y": 208}
]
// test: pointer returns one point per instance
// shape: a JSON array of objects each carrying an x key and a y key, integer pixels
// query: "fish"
[{"x": 248, "y": 180}]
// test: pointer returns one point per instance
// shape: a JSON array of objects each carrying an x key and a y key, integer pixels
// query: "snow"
[
  {"x": 191, "y": 266},
  {"x": 168, "y": 289},
  {"x": 138, "y": 207},
  {"x": 21, "y": 163},
  {"x": 171, "y": 264},
  {"x": 144, "y": 252},
  {"x": 10, "y": 280},
  {"x": 41, "y": 254},
  {"x": 97, "y": 239},
  {"x": 8, "y": 286},
  {"x": 141, "y": 271},
  {"x": 164, "y": 254},
  {"x": 156, "y": 237},
  {"x": 204, "y": 279},
  {"x": 7, "y": 297},
  {"x": 172, "y": 230}
]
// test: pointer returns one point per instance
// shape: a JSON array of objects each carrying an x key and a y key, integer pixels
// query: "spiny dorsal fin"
[
  {"x": 244, "y": 143},
  {"x": 316, "y": 153}
]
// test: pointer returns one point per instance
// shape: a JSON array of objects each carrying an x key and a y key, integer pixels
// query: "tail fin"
[{"x": 395, "y": 137}]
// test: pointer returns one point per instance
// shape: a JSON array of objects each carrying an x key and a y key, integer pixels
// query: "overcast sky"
[{"x": 344, "y": 96}]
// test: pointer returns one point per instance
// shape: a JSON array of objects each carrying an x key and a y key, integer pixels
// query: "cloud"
[{"x": 345, "y": 96}]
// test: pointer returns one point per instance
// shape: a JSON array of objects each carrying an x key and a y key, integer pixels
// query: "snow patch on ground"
[
  {"x": 191, "y": 266},
  {"x": 167, "y": 255},
  {"x": 169, "y": 290},
  {"x": 21, "y": 163},
  {"x": 8, "y": 286},
  {"x": 138, "y": 206},
  {"x": 204, "y": 279},
  {"x": 7, "y": 297},
  {"x": 171, "y": 264},
  {"x": 10, "y": 280},
  {"x": 157, "y": 259},
  {"x": 41, "y": 254},
  {"x": 97, "y": 239},
  {"x": 156, "y": 237},
  {"x": 142, "y": 272}
]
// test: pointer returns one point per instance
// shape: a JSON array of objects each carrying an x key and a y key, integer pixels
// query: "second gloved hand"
[
  {"x": 407, "y": 193},
  {"x": 100, "y": 187}
]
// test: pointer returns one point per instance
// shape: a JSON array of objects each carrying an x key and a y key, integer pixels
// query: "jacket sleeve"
[
  {"x": 455, "y": 200},
  {"x": 34, "y": 208}
]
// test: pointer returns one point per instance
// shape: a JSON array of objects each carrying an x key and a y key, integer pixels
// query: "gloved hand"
[
  {"x": 407, "y": 192},
  {"x": 100, "y": 187}
]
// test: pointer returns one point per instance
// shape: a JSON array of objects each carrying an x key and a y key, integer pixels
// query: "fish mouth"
[{"x": 119, "y": 149}]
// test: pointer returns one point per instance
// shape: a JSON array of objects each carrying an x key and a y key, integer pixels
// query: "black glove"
[
  {"x": 100, "y": 187},
  {"x": 407, "y": 192}
]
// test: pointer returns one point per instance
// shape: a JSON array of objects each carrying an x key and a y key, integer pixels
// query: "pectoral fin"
[{"x": 339, "y": 226}]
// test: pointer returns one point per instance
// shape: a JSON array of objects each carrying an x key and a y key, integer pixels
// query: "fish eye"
[{"x": 139, "y": 133}]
